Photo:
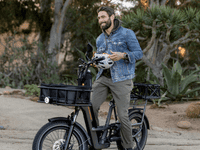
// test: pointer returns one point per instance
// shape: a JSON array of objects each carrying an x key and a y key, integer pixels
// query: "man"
[{"x": 124, "y": 49}]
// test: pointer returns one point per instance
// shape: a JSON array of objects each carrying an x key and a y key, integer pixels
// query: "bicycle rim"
[
  {"x": 142, "y": 136},
  {"x": 54, "y": 139}
]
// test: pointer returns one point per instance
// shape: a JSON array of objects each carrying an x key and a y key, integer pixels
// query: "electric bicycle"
[{"x": 65, "y": 133}]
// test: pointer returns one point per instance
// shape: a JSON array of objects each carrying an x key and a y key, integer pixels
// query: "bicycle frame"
[{"x": 94, "y": 131}]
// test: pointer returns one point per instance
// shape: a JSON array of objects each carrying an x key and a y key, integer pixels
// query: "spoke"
[
  {"x": 54, "y": 135},
  {"x": 49, "y": 140},
  {"x": 60, "y": 133},
  {"x": 47, "y": 147},
  {"x": 57, "y": 134},
  {"x": 51, "y": 137},
  {"x": 55, "y": 139}
]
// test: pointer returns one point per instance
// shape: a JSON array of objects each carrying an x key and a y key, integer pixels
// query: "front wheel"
[
  {"x": 141, "y": 137},
  {"x": 51, "y": 137}
]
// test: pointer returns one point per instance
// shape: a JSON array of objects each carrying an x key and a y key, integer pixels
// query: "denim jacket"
[{"x": 120, "y": 40}]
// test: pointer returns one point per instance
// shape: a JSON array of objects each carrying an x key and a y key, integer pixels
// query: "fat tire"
[{"x": 52, "y": 126}]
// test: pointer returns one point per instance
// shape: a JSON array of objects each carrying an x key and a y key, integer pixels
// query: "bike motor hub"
[{"x": 58, "y": 143}]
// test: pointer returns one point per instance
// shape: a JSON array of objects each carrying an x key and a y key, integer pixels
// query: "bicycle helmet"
[{"x": 105, "y": 63}]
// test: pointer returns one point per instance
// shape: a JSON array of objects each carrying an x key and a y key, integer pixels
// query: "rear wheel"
[
  {"x": 141, "y": 137},
  {"x": 51, "y": 137}
]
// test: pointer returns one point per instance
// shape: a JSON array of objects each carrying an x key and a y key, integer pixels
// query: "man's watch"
[{"x": 125, "y": 56}]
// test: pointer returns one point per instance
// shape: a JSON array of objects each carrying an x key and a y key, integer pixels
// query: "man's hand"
[{"x": 116, "y": 56}]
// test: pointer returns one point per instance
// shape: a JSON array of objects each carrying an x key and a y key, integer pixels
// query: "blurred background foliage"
[{"x": 24, "y": 61}]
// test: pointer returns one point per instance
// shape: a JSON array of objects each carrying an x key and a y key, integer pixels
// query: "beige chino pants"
[{"x": 121, "y": 94}]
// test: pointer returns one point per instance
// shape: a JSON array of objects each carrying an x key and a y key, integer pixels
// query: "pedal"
[{"x": 105, "y": 144}]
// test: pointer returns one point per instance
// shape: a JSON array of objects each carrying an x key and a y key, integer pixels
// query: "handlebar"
[
  {"x": 84, "y": 66},
  {"x": 94, "y": 60}
]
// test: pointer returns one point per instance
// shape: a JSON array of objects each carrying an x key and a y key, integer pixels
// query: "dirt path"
[
  {"x": 22, "y": 119},
  {"x": 166, "y": 117}
]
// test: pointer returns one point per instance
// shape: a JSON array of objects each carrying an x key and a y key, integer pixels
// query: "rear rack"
[{"x": 145, "y": 91}]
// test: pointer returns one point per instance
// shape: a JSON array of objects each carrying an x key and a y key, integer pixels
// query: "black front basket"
[{"x": 65, "y": 94}]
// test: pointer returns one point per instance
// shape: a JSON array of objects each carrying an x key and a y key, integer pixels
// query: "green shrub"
[
  {"x": 177, "y": 84},
  {"x": 21, "y": 65},
  {"x": 32, "y": 90}
]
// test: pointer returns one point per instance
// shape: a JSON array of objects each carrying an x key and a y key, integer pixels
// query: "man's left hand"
[{"x": 116, "y": 56}]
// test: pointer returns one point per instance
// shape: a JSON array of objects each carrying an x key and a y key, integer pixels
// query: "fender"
[
  {"x": 76, "y": 124},
  {"x": 138, "y": 110}
]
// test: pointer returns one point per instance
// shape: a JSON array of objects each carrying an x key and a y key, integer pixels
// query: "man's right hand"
[{"x": 116, "y": 56}]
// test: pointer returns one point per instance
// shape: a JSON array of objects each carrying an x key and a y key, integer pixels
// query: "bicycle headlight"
[{"x": 47, "y": 100}]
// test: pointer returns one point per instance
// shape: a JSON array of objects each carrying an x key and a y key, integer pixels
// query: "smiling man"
[{"x": 124, "y": 50}]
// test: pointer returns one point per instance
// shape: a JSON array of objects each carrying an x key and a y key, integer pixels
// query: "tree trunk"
[
  {"x": 44, "y": 25},
  {"x": 57, "y": 28},
  {"x": 50, "y": 36}
]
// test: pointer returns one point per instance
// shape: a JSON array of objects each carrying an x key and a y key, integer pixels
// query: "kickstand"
[{"x": 138, "y": 146}]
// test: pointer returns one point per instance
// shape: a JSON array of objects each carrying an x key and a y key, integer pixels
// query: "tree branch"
[
  {"x": 186, "y": 2},
  {"x": 146, "y": 60},
  {"x": 137, "y": 32},
  {"x": 184, "y": 59},
  {"x": 169, "y": 29},
  {"x": 155, "y": 68},
  {"x": 146, "y": 26},
  {"x": 5, "y": 45},
  {"x": 173, "y": 50},
  {"x": 159, "y": 25},
  {"x": 141, "y": 38},
  {"x": 173, "y": 58},
  {"x": 188, "y": 40},
  {"x": 166, "y": 58},
  {"x": 164, "y": 2},
  {"x": 188, "y": 34},
  {"x": 152, "y": 38}
]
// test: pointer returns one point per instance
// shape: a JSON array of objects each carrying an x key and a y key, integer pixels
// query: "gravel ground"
[{"x": 22, "y": 118}]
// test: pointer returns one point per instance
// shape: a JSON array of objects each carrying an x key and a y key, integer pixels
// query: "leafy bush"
[
  {"x": 32, "y": 90},
  {"x": 21, "y": 65},
  {"x": 177, "y": 84}
]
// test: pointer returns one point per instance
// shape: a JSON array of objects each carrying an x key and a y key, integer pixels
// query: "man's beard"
[{"x": 108, "y": 24}]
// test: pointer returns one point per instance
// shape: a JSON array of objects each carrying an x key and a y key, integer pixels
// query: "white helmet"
[{"x": 105, "y": 63}]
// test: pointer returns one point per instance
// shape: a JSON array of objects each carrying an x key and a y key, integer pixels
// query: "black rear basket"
[
  {"x": 65, "y": 94},
  {"x": 145, "y": 91}
]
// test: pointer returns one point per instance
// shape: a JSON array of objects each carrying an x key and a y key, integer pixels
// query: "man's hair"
[{"x": 108, "y": 9}]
